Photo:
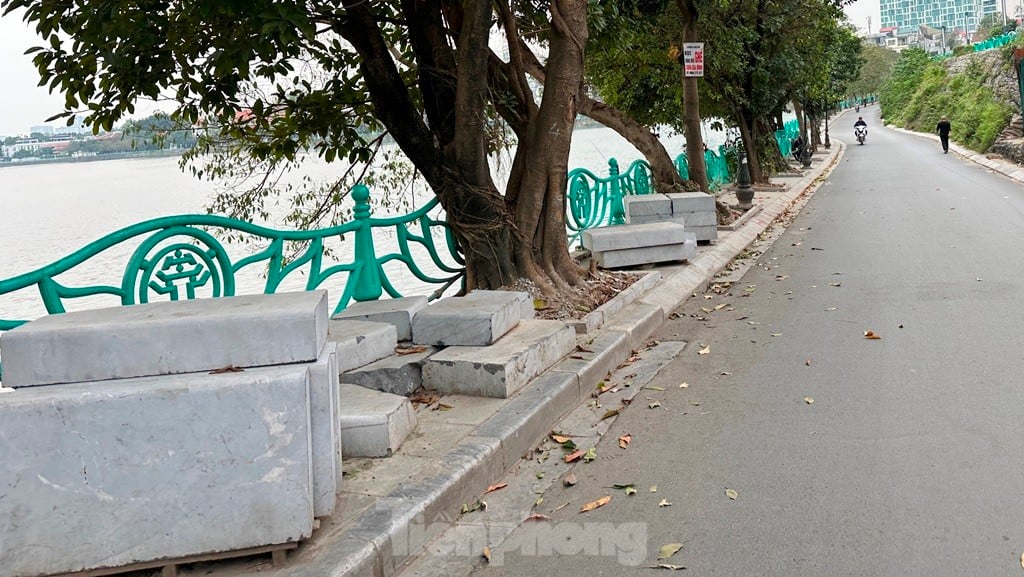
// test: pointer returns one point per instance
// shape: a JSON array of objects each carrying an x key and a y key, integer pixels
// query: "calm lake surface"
[{"x": 48, "y": 211}]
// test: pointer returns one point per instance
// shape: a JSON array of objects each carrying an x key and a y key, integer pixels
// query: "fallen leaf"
[
  {"x": 410, "y": 350},
  {"x": 708, "y": 297},
  {"x": 624, "y": 441},
  {"x": 590, "y": 455},
  {"x": 668, "y": 566},
  {"x": 726, "y": 373},
  {"x": 609, "y": 413},
  {"x": 227, "y": 369},
  {"x": 776, "y": 334},
  {"x": 538, "y": 502},
  {"x": 569, "y": 480},
  {"x": 694, "y": 403},
  {"x": 664, "y": 503},
  {"x": 732, "y": 494},
  {"x": 654, "y": 388},
  {"x": 684, "y": 385},
  {"x": 560, "y": 439},
  {"x": 654, "y": 488},
  {"x": 871, "y": 335},
  {"x": 539, "y": 304},
  {"x": 540, "y": 474},
  {"x": 569, "y": 445},
  {"x": 832, "y": 308},
  {"x": 721, "y": 306},
  {"x": 669, "y": 550},
  {"x": 705, "y": 350},
  {"x": 816, "y": 248},
  {"x": 782, "y": 277},
  {"x": 809, "y": 400},
  {"x": 706, "y": 309},
  {"x": 654, "y": 405},
  {"x": 442, "y": 407},
  {"x": 630, "y": 491},
  {"x": 496, "y": 487},
  {"x": 574, "y": 456},
  {"x": 835, "y": 284},
  {"x": 487, "y": 554},
  {"x": 595, "y": 504},
  {"x": 537, "y": 517},
  {"x": 808, "y": 362},
  {"x": 577, "y": 357},
  {"x": 477, "y": 506}
]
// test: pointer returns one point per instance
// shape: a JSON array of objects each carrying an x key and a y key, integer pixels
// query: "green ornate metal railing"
[
  {"x": 593, "y": 201},
  {"x": 179, "y": 258}
]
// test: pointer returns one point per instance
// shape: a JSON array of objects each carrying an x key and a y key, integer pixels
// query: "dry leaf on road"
[
  {"x": 684, "y": 385},
  {"x": 664, "y": 503},
  {"x": 809, "y": 400},
  {"x": 537, "y": 517},
  {"x": 625, "y": 440},
  {"x": 595, "y": 504},
  {"x": 808, "y": 362},
  {"x": 410, "y": 350},
  {"x": 871, "y": 335},
  {"x": 574, "y": 456},
  {"x": 560, "y": 439},
  {"x": 569, "y": 480},
  {"x": 705, "y": 350},
  {"x": 669, "y": 550},
  {"x": 496, "y": 487},
  {"x": 668, "y": 566},
  {"x": 732, "y": 494},
  {"x": 487, "y": 554},
  {"x": 609, "y": 413}
]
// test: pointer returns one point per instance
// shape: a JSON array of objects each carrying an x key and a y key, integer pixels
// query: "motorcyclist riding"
[{"x": 860, "y": 129}]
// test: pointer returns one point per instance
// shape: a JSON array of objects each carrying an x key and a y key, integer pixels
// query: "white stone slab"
[
  {"x": 373, "y": 424},
  {"x": 323, "y": 412},
  {"x": 527, "y": 310},
  {"x": 107, "y": 474},
  {"x": 646, "y": 204},
  {"x": 691, "y": 202},
  {"x": 477, "y": 319},
  {"x": 166, "y": 338},
  {"x": 642, "y": 255},
  {"x": 701, "y": 218},
  {"x": 704, "y": 232},
  {"x": 632, "y": 236},
  {"x": 398, "y": 312},
  {"x": 504, "y": 367},
  {"x": 360, "y": 343}
]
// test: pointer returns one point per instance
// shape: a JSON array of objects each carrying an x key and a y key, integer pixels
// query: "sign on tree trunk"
[{"x": 693, "y": 58}]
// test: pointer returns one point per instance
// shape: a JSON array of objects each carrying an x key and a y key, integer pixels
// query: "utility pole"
[{"x": 869, "y": 26}]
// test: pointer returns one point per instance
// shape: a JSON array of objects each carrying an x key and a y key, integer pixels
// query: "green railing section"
[
  {"x": 784, "y": 138},
  {"x": 178, "y": 257},
  {"x": 995, "y": 42}
]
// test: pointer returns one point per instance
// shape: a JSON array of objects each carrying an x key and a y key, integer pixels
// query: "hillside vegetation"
[{"x": 921, "y": 90}]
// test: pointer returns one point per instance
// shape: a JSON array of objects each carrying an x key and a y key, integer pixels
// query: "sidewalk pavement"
[{"x": 390, "y": 509}]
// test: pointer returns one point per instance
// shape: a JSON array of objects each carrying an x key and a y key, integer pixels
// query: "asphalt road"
[{"x": 909, "y": 461}]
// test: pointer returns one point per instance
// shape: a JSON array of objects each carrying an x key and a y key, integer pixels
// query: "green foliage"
[
  {"x": 920, "y": 92},
  {"x": 876, "y": 65}
]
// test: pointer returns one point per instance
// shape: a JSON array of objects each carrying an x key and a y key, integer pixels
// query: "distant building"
[
  {"x": 41, "y": 129},
  {"x": 960, "y": 15}
]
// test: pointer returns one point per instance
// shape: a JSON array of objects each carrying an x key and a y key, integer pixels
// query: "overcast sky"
[{"x": 24, "y": 104}]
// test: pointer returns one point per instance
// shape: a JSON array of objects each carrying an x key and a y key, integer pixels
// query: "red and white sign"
[{"x": 693, "y": 59}]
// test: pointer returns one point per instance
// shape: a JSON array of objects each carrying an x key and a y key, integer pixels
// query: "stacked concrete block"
[
  {"x": 503, "y": 368},
  {"x": 398, "y": 374},
  {"x": 360, "y": 343},
  {"x": 694, "y": 210},
  {"x": 638, "y": 244},
  {"x": 478, "y": 319},
  {"x": 220, "y": 430},
  {"x": 373, "y": 424},
  {"x": 398, "y": 312},
  {"x": 697, "y": 210}
]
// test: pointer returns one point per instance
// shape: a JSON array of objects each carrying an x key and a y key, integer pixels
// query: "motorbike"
[{"x": 861, "y": 132}]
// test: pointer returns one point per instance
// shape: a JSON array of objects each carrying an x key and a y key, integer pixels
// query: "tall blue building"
[{"x": 953, "y": 14}]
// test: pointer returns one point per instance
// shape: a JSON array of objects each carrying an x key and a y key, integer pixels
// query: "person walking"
[{"x": 943, "y": 129}]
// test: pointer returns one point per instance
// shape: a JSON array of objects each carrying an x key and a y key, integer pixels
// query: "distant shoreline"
[{"x": 97, "y": 158}]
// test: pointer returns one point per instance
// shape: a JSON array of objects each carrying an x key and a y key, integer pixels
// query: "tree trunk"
[
  {"x": 749, "y": 132},
  {"x": 539, "y": 210},
  {"x": 691, "y": 104}
]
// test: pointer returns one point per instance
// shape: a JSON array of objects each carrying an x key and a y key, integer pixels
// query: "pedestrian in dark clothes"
[{"x": 943, "y": 129}]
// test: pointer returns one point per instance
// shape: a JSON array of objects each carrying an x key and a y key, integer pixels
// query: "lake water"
[{"x": 48, "y": 211}]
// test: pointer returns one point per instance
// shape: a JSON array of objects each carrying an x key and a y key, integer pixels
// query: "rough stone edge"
[{"x": 369, "y": 541}]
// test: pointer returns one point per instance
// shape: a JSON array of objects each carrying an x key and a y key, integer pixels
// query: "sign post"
[{"x": 693, "y": 59}]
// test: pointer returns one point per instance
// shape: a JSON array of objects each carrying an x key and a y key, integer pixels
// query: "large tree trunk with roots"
[
  {"x": 750, "y": 134},
  {"x": 504, "y": 238}
]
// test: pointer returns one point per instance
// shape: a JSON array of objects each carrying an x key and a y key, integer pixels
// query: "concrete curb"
[
  {"x": 400, "y": 525},
  {"x": 1006, "y": 168}
]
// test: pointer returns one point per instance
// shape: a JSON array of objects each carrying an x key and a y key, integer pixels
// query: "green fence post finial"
[
  {"x": 618, "y": 210},
  {"x": 367, "y": 277}
]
